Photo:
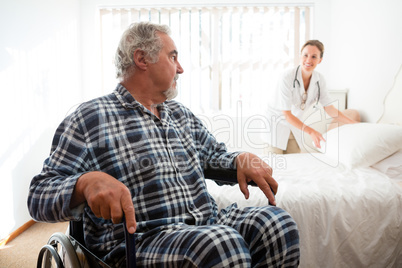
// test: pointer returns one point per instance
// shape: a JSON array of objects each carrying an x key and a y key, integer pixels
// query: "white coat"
[{"x": 289, "y": 98}]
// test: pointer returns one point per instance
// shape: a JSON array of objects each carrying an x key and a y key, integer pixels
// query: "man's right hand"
[{"x": 107, "y": 197}]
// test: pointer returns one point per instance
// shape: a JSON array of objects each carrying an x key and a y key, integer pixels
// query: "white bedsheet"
[{"x": 346, "y": 218}]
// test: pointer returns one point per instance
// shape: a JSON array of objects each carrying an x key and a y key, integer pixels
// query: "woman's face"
[{"x": 310, "y": 58}]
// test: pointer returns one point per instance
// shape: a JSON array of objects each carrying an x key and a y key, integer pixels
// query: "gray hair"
[{"x": 139, "y": 35}]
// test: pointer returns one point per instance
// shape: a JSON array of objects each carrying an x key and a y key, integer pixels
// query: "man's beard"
[{"x": 172, "y": 92}]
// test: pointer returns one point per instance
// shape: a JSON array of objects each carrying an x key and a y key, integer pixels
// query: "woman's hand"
[
  {"x": 315, "y": 136},
  {"x": 294, "y": 121}
]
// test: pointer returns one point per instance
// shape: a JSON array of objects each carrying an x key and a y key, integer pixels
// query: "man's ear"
[{"x": 140, "y": 59}]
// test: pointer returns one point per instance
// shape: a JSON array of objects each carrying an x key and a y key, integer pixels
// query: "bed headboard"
[
  {"x": 341, "y": 96},
  {"x": 392, "y": 113}
]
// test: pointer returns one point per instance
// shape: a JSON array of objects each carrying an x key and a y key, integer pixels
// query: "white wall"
[
  {"x": 39, "y": 82},
  {"x": 365, "y": 51},
  {"x": 49, "y": 53}
]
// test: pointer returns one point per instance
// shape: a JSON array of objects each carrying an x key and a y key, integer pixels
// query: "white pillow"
[
  {"x": 362, "y": 144},
  {"x": 391, "y": 165}
]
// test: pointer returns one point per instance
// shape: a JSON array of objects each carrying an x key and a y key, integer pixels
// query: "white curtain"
[{"x": 231, "y": 55}]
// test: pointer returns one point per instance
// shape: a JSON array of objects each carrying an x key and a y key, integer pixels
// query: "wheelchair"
[
  {"x": 72, "y": 247},
  {"x": 74, "y": 253}
]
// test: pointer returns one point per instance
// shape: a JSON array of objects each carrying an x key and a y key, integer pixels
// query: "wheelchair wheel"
[{"x": 49, "y": 255}]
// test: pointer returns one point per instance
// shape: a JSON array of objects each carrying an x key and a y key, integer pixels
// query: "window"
[{"x": 230, "y": 54}]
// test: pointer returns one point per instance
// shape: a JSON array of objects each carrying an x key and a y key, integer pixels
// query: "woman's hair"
[
  {"x": 140, "y": 35},
  {"x": 315, "y": 43}
]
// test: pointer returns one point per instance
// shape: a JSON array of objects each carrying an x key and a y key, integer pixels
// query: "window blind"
[{"x": 231, "y": 55}]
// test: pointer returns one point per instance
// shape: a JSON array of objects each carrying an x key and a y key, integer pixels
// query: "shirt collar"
[
  {"x": 128, "y": 102},
  {"x": 314, "y": 78},
  {"x": 125, "y": 98}
]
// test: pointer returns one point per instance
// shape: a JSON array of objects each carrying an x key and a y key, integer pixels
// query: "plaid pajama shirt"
[{"x": 161, "y": 161}]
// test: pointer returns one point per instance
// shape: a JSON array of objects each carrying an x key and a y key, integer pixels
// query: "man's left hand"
[{"x": 252, "y": 168}]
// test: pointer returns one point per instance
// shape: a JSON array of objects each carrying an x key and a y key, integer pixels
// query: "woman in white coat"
[{"x": 298, "y": 89}]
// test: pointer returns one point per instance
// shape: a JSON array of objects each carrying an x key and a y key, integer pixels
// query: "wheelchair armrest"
[
  {"x": 223, "y": 176},
  {"x": 76, "y": 230}
]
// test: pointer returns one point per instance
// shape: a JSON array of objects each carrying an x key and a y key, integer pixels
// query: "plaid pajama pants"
[{"x": 238, "y": 237}]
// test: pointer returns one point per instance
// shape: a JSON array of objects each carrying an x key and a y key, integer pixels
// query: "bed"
[{"x": 346, "y": 199}]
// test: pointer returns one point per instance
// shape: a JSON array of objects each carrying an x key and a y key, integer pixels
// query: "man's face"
[{"x": 166, "y": 70}]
